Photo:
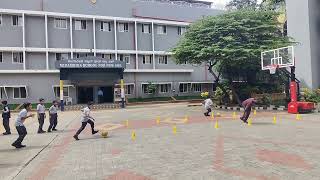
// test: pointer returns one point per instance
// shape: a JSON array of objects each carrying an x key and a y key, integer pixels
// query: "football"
[{"x": 104, "y": 133}]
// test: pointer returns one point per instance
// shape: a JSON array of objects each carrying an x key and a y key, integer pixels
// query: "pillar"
[
  {"x": 122, "y": 90},
  {"x": 61, "y": 95}
]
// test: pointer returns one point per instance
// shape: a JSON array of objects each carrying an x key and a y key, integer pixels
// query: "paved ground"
[{"x": 288, "y": 149}]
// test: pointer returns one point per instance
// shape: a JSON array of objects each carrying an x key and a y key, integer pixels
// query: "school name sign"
[{"x": 89, "y": 63}]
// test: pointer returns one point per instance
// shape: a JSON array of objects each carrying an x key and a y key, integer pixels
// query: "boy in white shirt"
[
  {"x": 207, "y": 105},
  {"x": 41, "y": 110},
  {"x": 53, "y": 116},
  {"x": 22, "y": 131},
  {"x": 85, "y": 119}
]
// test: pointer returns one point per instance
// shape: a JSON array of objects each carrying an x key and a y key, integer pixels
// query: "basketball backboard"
[{"x": 277, "y": 58}]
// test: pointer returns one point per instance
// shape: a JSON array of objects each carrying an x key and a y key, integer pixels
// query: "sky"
[{"x": 220, "y": 3}]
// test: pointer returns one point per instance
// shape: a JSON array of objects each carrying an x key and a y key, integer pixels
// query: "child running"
[
  {"x": 22, "y": 131},
  {"x": 53, "y": 116},
  {"x": 247, "y": 104},
  {"x": 207, "y": 105},
  {"x": 85, "y": 119}
]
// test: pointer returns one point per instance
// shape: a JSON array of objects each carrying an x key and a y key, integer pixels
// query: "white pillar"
[
  {"x": 46, "y": 34},
  {"x": 136, "y": 43},
  {"x": 115, "y": 39},
  {"x": 24, "y": 41},
  {"x": 153, "y": 55},
  {"x": 71, "y": 37},
  {"x": 94, "y": 36}
]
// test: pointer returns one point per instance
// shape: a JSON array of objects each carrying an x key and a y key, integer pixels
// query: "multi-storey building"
[{"x": 35, "y": 34}]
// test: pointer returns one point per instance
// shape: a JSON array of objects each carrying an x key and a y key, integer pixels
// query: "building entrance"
[
  {"x": 85, "y": 94},
  {"x": 105, "y": 94}
]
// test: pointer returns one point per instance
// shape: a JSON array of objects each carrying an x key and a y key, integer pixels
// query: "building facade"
[
  {"x": 35, "y": 34},
  {"x": 303, "y": 25}
]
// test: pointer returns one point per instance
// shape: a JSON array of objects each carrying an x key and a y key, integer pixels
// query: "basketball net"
[{"x": 273, "y": 69}]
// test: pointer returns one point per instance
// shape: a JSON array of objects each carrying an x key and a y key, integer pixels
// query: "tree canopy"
[
  {"x": 231, "y": 44},
  {"x": 242, "y": 4}
]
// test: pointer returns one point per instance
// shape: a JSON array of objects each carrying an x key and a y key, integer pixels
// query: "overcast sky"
[{"x": 220, "y": 3}]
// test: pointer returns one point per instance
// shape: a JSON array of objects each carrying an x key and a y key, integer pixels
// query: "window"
[
  {"x": 145, "y": 89},
  {"x": 2, "y": 93},
  {"x": 146, "y": 59},
  {"x": 61, "y": 56},
  {"x": 162, "y": 29},
  {"x": 80, "y": 24},
  {"x": 0, "y": 19},
  {"x": 183, "y": 87},
  {"x": 146, "y": 28},
  {"x": 123, "y": 27},
  {"x": 17, "y": 57},
  {"x": 105, "y": 26},
  {"x": 81, "y": 55},
  {"x": 57, "y": 92},
  {"x": 125, "y": 58},
  {"x": 164, "y": 88},
  {"x": 19, "y": 93},
  {"x": 163, "y": 60},
  {"x": 16, "y": 20},
  {"x": 181, "y": 30},
  {"x": 1, "y": 57},
  {"x": 106, "y": 56},
  {"x": 60, "y": 23},
  {"x": 129, "y": 89},
  {"x": 184, "y": 62},
  {"x": 197, "y": 87}
]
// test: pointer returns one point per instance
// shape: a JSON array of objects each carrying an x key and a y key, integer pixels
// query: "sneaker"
[
  {"x": 6, "y": 133},
  {"x": 76, "y": 137},
  {"x": 49, "y": 131},
  {"x": 95, "y": 132},
  {"x": 54, "y": 130},
  {"x": 14, "y": 145},
  {"x": 22, "y": 146}
]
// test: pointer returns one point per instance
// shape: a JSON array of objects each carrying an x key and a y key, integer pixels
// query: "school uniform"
[
  {"x": 6, "y": 115},
  {"x": 247, "y": 104},
  {"x": 21, "y": 129},
  {"x": 207, "y": 105},
  {"x": 41, "y": 116},
  {"x": 53, "y": 118},
  {"x": 85, "y": 119}
]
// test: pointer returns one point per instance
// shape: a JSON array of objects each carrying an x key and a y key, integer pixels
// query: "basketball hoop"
[{"x": 273, "y": 69}]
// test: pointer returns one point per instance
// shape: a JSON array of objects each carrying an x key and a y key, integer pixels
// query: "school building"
[
  {"x": 303, "y": 18},
  {"x": 86, "y": 40}
]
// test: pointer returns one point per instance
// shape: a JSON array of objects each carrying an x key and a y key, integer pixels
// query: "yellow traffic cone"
[
  {"x": 255, "y": 112},
  {"x": 298, "y": 117},
  {"x": 174, "y": 129},
  {"x": 127, "y": 123},
  {"x": 158, "y": 120},
  {"x": 212, "y": 115},
  {"x": 133, "y": 135},
  {"x": 216, "y": 126},
  {"x": 249, "y": 122},
  {"x": 234, "y": 116},
  {"x": 274, "y": 120}
]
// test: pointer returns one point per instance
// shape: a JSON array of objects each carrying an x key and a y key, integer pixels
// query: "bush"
[
  {"x": 266, "y": 99},
  {"x": 311, "y": 95}
]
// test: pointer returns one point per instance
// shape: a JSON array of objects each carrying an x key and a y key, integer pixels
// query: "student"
[
  {"x": 6, "y": 115},
  {"x": 247, "y": 104},
  {"x": 207, "y": 105},
  {"x": 41, "y": 110},
  {"x": 85, "y": 119},
  {"x": 53, "y": 116},
  {"x": 22, "y": 131}
]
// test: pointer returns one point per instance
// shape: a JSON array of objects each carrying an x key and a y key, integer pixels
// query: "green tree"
[
  {"x": 230, "y": 44},
  {"x": 242, "y": 4}
]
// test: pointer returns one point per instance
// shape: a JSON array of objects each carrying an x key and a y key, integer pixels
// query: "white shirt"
[
  {"x": 208, "y": 103},
  {"x": 100, "y": 93},
  {"x": 53, "y": 110},
  {"x": 23, "y": 113},
  {"x": 41, "y": 109},
  {"x": 85, "y": 114}
]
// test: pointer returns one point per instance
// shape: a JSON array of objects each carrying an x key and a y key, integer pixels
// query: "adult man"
[
  {"x": 6, "y": 115},
  {"x": 41, "y": 110},
  {"x": 100, "y": 95},
  {"x": 85, "y": 119},
  {"x": 247, "y": 104}
]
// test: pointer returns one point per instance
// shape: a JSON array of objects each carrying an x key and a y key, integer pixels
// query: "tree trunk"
[{"x": 235, "y": 94}]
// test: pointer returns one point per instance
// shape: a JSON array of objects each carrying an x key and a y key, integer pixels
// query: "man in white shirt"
[
  {"x": 41, "y": 110},
  {"x": 207, "y": 105},
  {"x": 100, "y": 95},
  {"x": 22, "y": 131},
  {"x": 53, "y": 116},
  {"x": 85, "y": 119}
]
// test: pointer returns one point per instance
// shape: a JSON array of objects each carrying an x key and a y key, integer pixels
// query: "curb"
[{"x": 269, "y": 108}]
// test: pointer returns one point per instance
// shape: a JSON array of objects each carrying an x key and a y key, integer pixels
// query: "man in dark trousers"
[
  {"x": 53, "y": 116},
  {"x": 6, "y": 115},
  {"x": 247, "y": 104},
  {"x": 85, "y": 119},
  {"x": 41, "y": 110}
]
